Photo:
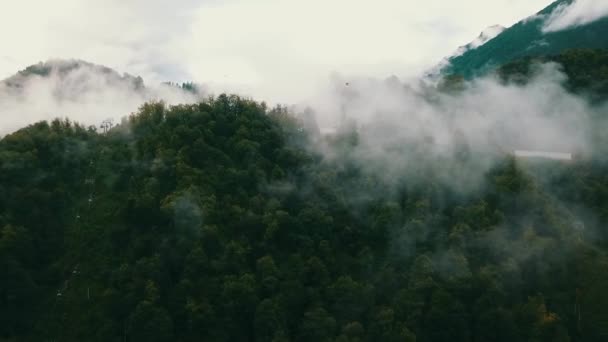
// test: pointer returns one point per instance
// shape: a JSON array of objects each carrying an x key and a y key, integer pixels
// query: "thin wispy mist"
[
  {"x": 447, "y": 142},
  {"x": 86, "y": 94},
  {"x": 457, "y": 136},
  {"x": 579, "y": 12}
]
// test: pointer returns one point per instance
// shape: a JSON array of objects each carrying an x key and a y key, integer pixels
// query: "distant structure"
[
  {"x": 106, "y": 125},
  {"x": 329, "y": 130},
  {"x": 543, "y": 155}
]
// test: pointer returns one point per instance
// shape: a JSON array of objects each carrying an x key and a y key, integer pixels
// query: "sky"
[{"x": 263, "y": 48}]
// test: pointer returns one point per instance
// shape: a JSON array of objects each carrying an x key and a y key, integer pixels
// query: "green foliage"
[
  {"x": 586, "y": 71},
  {"x": 216, "y": 222},
  {"x": 526, "y": 38},
  {"x": 190, "y": 87}
]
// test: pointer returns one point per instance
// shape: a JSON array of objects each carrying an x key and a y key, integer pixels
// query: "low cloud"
[
  {"x": 87, "y": 94},
  {"x": 412, "y": 131},
  {"x": 578, "y": 13},
  {"x": 273, "y": 50}
]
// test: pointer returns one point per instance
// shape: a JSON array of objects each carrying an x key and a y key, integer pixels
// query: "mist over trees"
[
  {"x": 226, "y": 220},
  {"x": 82, "y": 91}
]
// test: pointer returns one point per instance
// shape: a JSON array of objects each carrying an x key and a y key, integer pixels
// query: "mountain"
[
  {"x": 586, "y": 71},
  {"x": 73, "y": 74},
  {"x": 217, "y": 222},
  {"x": 528, "y": 38},
  {"x": 225, "y": 220},
  {"x": 485, "y": 36},
  {"x": 72, "y": 77},
  {"x": 83, "y": 91}
]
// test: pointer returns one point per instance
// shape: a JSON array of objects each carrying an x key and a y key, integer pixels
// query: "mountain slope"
[
  {"x": 484, "y": 37},
  {"x": 217, "y": 222},
  {"x": 73, "y": 73},
  {"x": 80, "y": 76},
  {"x": 586, "y": 71},
  {"x": 84, "y": 92},
  {"x": 526, "y": 38}
]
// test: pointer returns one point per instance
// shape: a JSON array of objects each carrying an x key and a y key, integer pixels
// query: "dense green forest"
[
  {"x": 225, "y": 221},
  {"x": 586, "y": 71}
]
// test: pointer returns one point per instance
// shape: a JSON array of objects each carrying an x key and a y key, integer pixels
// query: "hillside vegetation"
[
  {"x": 526, "y": 38},
  {"x": 220, "y": 221}
]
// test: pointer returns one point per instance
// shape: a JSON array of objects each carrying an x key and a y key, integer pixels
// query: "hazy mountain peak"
[
  {"x": 81, "y": 90},
  {"x": 73, "y": 71},
  {"x": 485, "y": 36},
  {"x": 528, "y": 37}
]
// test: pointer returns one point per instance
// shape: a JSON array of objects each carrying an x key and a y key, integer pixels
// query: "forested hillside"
[
  {"x": 224, "y": 221},
  {"x": 77, "y": 69},
  {"x": 527, "y": 38},
  {"x": 586, "y": 71}
]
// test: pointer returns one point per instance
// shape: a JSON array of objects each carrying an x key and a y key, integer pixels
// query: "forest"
[
  {"x": 529, "y": 38},
  {"x": 227, "y": 220}
]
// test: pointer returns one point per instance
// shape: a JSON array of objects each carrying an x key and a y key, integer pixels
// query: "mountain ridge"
[
  {"x": 527, "y": 39},
  {"x": 64, "y": 67},
  {"x": 77, "y": 69}
]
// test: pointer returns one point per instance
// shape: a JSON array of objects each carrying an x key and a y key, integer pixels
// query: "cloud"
[
  {"x": 412, "y": 142},
  {"x": 294, "y": 44},
  {"x": 535, "y": 17},
  {"x": 270, "y": 49},
  {"x": 87, "y": 94},
  {"x": 409, "y": 132},
  {"x": 580, "y": 12}
]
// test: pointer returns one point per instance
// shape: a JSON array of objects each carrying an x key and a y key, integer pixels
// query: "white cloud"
[
  {"x": 405, "y": 131},
  {"x": 274, "y": 49},
  {"x": 283, "y": 47},
  {"x": 535, "y": 17},
  {"x": 580, "y": 12},
  {"x": 86, "y": 95}
]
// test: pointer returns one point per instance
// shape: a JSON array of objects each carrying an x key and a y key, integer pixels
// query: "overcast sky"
[{"x": 264, "y": 47}]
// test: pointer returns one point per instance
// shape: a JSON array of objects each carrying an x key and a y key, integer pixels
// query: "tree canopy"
[{"x": 216, "y": 221}]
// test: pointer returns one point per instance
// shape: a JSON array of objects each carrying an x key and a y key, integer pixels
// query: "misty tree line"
[{"x": 221, "y": 221}]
